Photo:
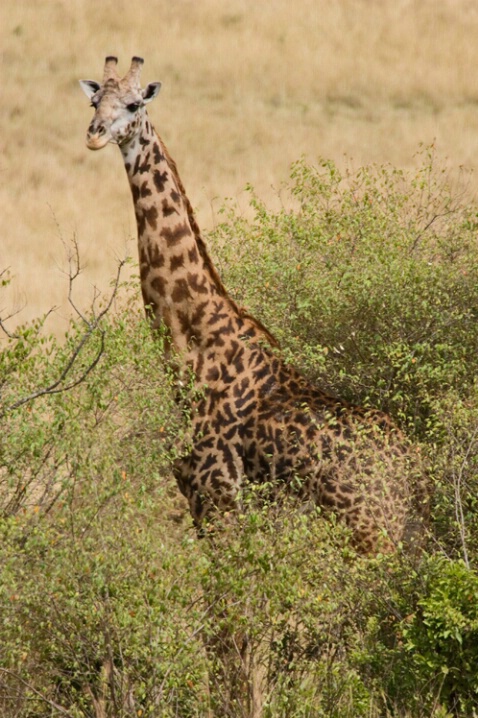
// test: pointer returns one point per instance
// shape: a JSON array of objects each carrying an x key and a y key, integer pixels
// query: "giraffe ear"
[
  {"x": 89, "y": 87},
  {"x": 151, "y": 91}
]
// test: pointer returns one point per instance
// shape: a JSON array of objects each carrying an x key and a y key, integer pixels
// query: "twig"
[
  {"x": 457, "y": 481},
  {"x": 56, "y": 386},
  {"x": 438, "y": 215},
  {"x": 51, "y": 703},
  {"x": 4, "y": 319}
]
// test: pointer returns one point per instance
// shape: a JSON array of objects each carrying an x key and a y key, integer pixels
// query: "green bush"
[
  {"x": 86, "y": 556},
  {"x": 109, "y": 605},
  {"x": 442, "y": 636},
  {"x": 369, "y": 282}
]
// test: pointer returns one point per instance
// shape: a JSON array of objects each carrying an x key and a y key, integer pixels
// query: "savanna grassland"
[
  {"x": 357, "y": 249},
  {"x": 247, "y": 89}
]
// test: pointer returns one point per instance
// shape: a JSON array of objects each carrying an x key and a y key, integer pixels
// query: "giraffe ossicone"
[{"x": 258, "y": 419}]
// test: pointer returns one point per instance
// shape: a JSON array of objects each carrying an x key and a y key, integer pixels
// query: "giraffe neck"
[{"x": 179, "y": 283}]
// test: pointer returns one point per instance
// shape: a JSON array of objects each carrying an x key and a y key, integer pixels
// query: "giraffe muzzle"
[{"x": 97, "y": 139}]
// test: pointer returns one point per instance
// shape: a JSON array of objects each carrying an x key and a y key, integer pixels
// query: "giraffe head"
[{"x": 119, "y": 104}]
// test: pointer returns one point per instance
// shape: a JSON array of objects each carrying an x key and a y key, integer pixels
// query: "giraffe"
[{"x": 258, "y": 419}]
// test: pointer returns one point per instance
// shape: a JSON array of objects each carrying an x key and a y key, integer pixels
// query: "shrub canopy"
[{"x": 110, "y": 606}]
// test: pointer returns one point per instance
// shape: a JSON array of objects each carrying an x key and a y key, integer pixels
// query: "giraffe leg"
[{"x": 210, "y": 479}]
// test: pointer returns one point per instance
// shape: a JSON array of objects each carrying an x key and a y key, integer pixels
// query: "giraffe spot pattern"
[
  {"x": 200, "y": 286},
  {"x": 174, "y": 235},
  {"x": 142, "y": 164},
  {"x": 159, "y": 284},
  {"x": 176, "y": 262},
  {"x": 144, "y": 190},
  {"x": 181, "y": 291},
  {"x": 160, "y": 179},
  {"x": 157, "y": 259},
  {"x": 252, "y": 423},
  {"x": 157, "y": 154},
  {"x": 168, "y": 209},
  {"x": 151, "y": 216},
  {"x": 193, "y": 255}
]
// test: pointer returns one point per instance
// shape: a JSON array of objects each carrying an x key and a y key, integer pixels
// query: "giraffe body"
[{"x": 257, "y": 419}]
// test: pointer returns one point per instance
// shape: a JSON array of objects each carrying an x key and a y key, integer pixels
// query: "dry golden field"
[{"x": 248, "y": 87}]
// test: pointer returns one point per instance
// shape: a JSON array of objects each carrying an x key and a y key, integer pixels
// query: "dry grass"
[{"x": 247, "y": 89}]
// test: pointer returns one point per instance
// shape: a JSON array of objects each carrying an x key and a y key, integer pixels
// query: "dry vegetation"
[{"x": 247, "y": 89}]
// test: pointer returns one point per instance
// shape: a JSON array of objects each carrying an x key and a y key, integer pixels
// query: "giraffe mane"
[{"x": 201, "y": 245}]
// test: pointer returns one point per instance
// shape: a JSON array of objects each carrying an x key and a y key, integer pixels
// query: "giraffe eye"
[
  {"x": 133, "y": 107},
  {"x": 94, "y": 104}
]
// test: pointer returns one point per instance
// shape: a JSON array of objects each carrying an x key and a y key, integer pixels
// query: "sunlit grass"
[{"x": 247, "y": 89}]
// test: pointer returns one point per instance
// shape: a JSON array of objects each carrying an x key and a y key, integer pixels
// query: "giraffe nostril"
[{"x": 93, "y": 130}]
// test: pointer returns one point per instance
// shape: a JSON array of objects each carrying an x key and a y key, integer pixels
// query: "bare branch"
[
  {"x": 438, "y": 215},
  {"x": 457, "y": 484},
  {"x": 74, "y": 271},
  {"x": 9, "y": 316},
  {"x": 5, "y": 330},
  {"x": 58, "y": 385},
  {"x": 25, "y": 683}
]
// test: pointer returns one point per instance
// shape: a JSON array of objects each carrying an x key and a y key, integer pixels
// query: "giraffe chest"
[{"x": 259, "y": 418}]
